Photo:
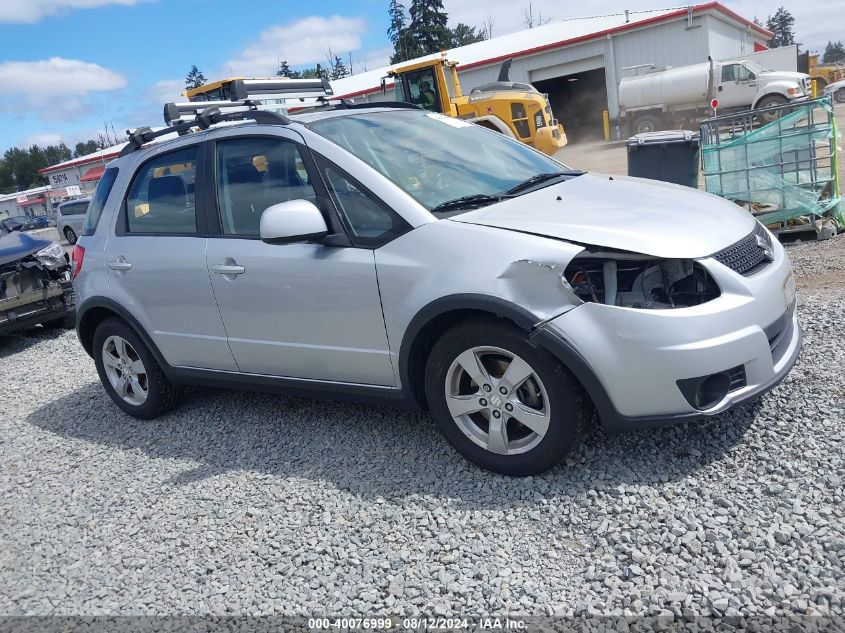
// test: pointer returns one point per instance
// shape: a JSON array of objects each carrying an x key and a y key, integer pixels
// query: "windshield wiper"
[
  {"x": 469, "y": 202},
  {"x": 536, "y": 179}
]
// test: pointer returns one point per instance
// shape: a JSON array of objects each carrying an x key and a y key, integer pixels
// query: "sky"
[{"x": 71, "y": 68}]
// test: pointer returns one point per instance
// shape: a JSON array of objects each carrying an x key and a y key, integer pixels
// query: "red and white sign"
[
  {"x": 714, "y": 103},
  {"x": 21, "y": 199}
]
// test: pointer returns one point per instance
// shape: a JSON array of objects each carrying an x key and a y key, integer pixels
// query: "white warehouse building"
[{"x": 579, "y": 62}]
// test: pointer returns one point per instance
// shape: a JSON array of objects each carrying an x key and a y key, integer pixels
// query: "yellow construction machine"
[
  {"x": 824, "y": 74},
  {"x": 515, "y": 109}
]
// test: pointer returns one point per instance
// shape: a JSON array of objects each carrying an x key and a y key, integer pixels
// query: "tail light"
[{"x": 76, "y": 260}]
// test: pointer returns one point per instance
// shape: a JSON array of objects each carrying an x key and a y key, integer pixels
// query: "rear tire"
[
  {"x": 519, "y": 382},
  {"x": 70, "y": 235},
  {"x": 647, "y": 123},
  {"x": 129, "y": 372}
]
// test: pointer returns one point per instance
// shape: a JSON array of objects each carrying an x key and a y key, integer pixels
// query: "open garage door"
[{"x": 578, "y": 100}]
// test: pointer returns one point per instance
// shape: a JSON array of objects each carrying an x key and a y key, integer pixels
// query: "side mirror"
[{"x": 292, "y": 221}]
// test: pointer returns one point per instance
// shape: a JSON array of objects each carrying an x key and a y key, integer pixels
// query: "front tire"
[
  {"x": 769, "y": 102},
  {"x": 503, "y": 402},
  {"x": 129, "y": 372}
]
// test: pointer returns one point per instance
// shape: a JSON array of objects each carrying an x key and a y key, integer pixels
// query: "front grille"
[{"x": 747, "y": 256}]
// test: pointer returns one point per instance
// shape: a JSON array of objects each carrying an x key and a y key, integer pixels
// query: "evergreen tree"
[
  {"x": 428, "y": 30},
  {"x": 314, "y": 73},
  {"x": 283, "y": 70},
  {"x": 396, "y": 30},
  {"x": 338, "y": 69},
  {"x": 833, "y": 53},
  {"x": 780, "y": 24},
  {"x": 83, "y": 149},
  {"x": 464, "y": 34},
  {"x": 194, "y": 78}
]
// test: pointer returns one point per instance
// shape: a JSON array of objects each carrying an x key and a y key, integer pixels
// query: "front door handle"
[
  {"x": 228, "y": 269},
  {"x": 120, "y": 264}
]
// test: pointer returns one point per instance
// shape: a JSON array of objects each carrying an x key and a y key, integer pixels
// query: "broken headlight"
[
  {"x": 52, "y": 256},
  {"x": 639, "y": 281}
]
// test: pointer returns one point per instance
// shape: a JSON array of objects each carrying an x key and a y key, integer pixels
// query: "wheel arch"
[
  {"x": 92, "y": 312},
  {"x": 437, "y": 317},
  {"x": 773, "y": 93}
]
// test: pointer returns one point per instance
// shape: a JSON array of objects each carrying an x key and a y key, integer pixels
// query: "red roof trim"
[
  {"x": 82, "y": 160},
  {"x": 598, "y": 34},
  {"x": 93, "y": 173}
]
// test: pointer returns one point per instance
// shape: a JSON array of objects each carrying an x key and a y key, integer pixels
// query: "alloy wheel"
[
  {"x": 125, "y": 370},
  {"x": 497, "y": 400}
]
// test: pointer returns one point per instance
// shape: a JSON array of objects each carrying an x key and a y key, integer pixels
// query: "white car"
[{"x": 836, "y": 90}]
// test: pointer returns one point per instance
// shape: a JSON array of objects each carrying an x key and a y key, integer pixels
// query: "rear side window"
[
  {"x": 98, "y": 202},
  {"x": 75, "y": 208},
  {"x": 161, "y": 197}
]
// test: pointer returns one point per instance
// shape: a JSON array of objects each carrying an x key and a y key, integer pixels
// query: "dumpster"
[{"x": 670, "y": 156}]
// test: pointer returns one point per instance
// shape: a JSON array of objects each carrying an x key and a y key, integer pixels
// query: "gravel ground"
[{"x": 246, "y": 503}]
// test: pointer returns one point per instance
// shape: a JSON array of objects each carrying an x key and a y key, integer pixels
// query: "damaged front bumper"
[
  {"x": 646, "y": 367},
  {"x": 31, "y": 295}
]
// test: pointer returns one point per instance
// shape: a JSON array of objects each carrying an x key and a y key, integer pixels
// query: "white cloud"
[
  {"x": 30, "y": 11},
  {"x": 41, "y": 139},
  {"x": 306, "y": 41},
  {"x": 57, "y": 77}
]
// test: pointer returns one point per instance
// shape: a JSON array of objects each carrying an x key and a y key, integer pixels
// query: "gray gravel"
[{"x": 246, "y": 503}]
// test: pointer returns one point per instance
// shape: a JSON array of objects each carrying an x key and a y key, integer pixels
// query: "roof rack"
[
  {"x": 244, "y": 106},
  {"x": 243, "y": 89},
  {"x": 203, "y": 119}
]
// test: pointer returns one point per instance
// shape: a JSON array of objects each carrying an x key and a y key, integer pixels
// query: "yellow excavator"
[{"x": 515, "y": 109}]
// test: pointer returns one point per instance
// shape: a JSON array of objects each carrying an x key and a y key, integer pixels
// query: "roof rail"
[{"x": 203, "y": 119}]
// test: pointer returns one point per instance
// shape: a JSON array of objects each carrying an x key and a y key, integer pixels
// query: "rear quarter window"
[{"x": 98, "y": 202}]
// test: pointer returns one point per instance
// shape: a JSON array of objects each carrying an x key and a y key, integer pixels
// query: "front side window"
[
  {"x": 161, "y": 198},
  {"x": 98, "y": 202},
  {"x": 422, "y": 89},
  {"x": 370, "y": 222},
  {"x": 256, "y": 173},
  {"x": 436, "y": 158},
  {"x": 729, "y": 72}
]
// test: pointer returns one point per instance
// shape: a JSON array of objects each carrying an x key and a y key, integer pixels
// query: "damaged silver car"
[
  {"x": 384, "y": 253},
  {"x": 35, "y": 283}
]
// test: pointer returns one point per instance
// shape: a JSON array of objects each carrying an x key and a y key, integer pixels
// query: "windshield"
[
  {"x": 755, "y": 67},
  {"x": 435, "y": 158}
]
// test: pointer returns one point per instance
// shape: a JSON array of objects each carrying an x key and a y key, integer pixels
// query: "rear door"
[
  {"x": 301, "y": 310},
  {"x": 156, "y": 262}
]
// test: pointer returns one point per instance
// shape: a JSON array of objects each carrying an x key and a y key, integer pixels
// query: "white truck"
[{"x": 678, "y": 97}]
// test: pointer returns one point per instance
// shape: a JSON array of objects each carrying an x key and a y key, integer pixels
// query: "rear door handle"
[
  {"x": 228, "y": 269},
  {"x": 120, "y": 264}
]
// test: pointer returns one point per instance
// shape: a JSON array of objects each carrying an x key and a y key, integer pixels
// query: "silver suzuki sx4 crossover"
[{"x": 385, "y": 253}]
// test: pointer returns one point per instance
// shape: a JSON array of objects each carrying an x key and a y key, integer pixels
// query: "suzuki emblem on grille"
[{"x": 768, "y": 253}]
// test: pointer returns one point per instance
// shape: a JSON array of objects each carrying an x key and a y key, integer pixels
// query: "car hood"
[
  {"x": 783, "y": 75},
  {"x": 631, "y": 214},
  {"x": 17, "y": 245}
]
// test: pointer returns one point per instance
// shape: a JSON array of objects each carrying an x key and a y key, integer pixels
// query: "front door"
[
  {"x": 299, "y": 310},
  {"x": 156, "y": 264},
  {"x": 738, "y": 86}
]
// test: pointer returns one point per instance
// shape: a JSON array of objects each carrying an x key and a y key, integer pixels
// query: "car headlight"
[
  {"x": 52, "y": 256},
  {"x": 639, "y": 281}
]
